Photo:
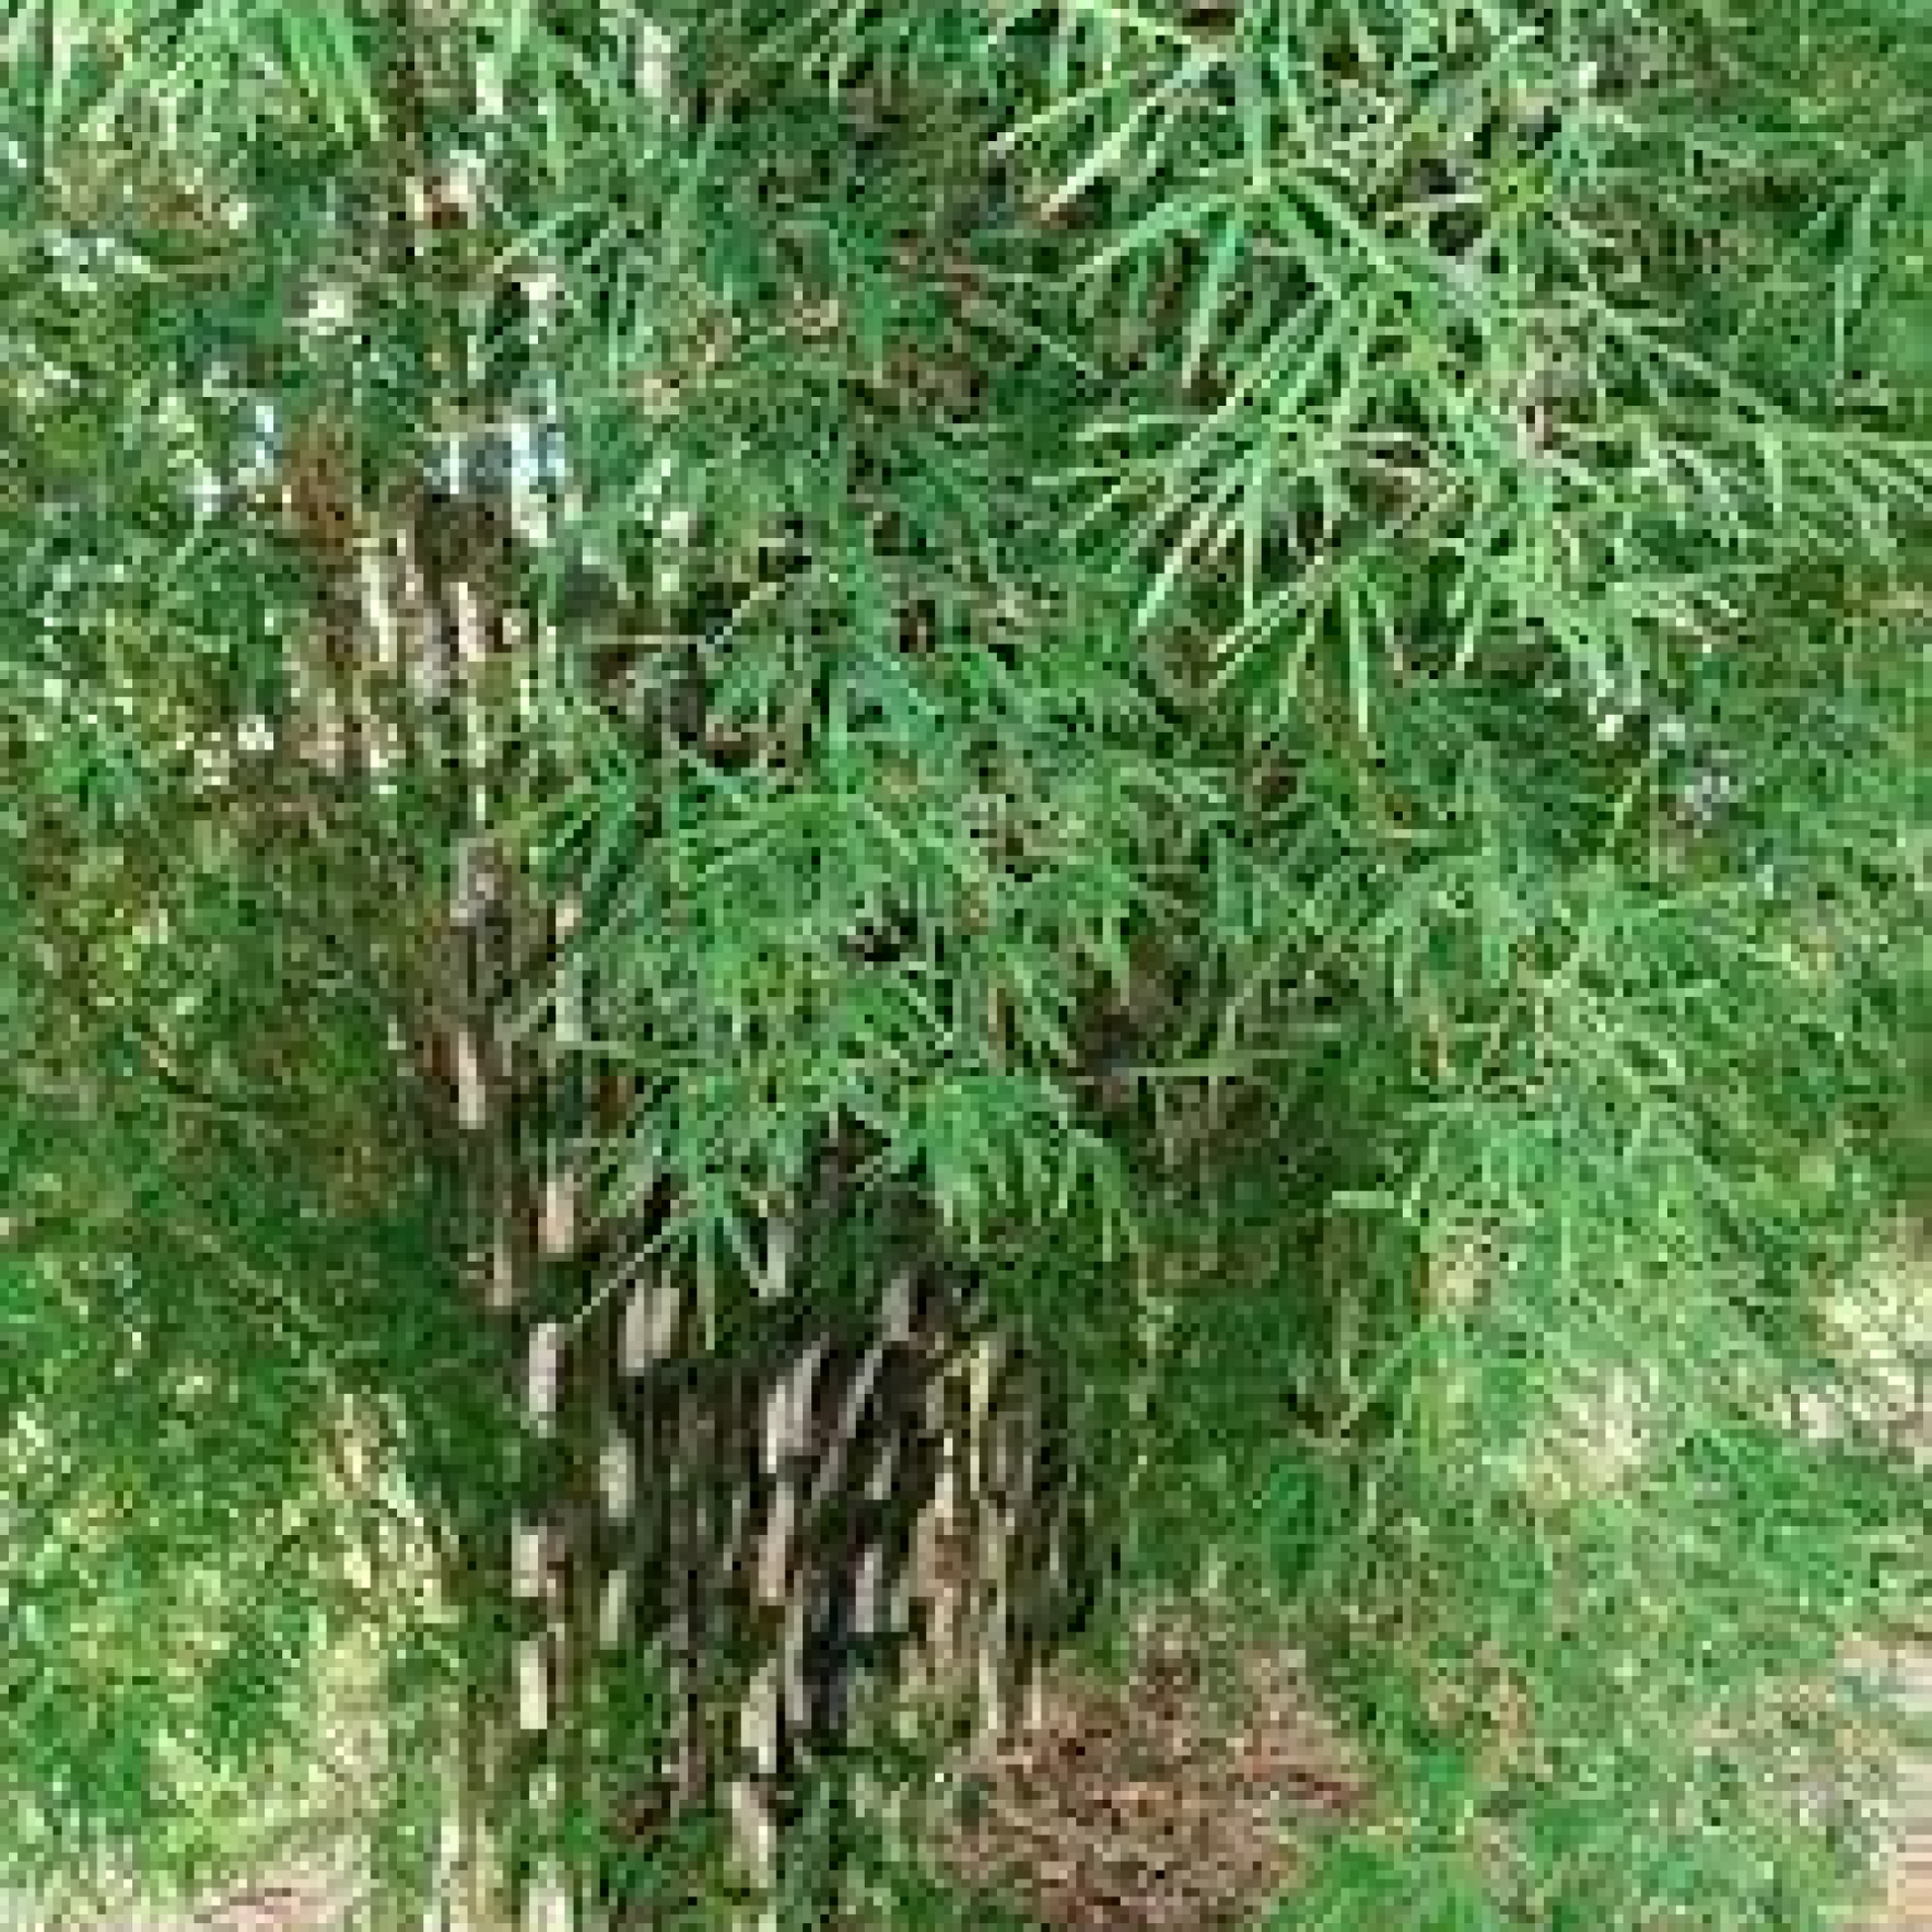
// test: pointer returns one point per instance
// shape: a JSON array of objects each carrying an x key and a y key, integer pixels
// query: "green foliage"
[{"x": 1307, "y": 621}]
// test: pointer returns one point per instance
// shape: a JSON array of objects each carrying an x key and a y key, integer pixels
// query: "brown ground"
[
  {"x": 1155, "y": 1807},
  {"x": 1907, "y": 1905},
  {"x": 1140, "y": 1810}
]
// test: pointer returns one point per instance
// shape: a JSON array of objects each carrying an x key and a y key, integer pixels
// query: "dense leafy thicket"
[{"x": 1294, "y": 639}]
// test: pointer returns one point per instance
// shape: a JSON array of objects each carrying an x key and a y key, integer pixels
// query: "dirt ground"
[
  {"x": 1908, "y": 1902},
  {"x": 1140, "y": 1808}
]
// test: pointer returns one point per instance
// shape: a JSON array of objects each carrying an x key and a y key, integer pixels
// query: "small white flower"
[
  {"x": 1610, "y": 725},
  {"x": 653, "y": 65},
  {"x": 489, "y": 86},
  {"x": 331, "y": 308},
  {"x": 127, "y": 261},
  {"x": 254, "y": 734},
  {"x": 173, "y": 414},
  {"x": 462, "y": 184}
]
